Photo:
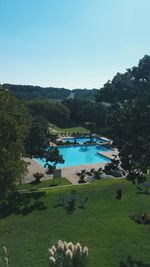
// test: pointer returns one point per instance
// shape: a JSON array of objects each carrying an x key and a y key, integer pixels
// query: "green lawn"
[
  {"x": 77, "y": 129},
  {"x": 30, "y": 223},
  {"x": 43, "y": 184}
]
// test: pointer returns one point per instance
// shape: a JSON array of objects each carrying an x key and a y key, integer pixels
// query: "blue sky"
[{"x": 71, "y": 43}]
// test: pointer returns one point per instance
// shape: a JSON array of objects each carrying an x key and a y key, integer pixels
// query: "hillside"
[
  {"x": 50, "y": 93},
  {"x": 34, "y": 222}
]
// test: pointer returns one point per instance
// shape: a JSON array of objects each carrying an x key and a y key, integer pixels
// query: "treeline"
[
  {"x": 68, "y": 112},
  {"x": 29, "y": 92}
]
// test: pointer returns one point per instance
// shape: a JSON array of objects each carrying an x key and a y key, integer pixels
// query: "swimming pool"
[
  {"x": 82, "y": 140},
  {"x": 78, "y": 155}
]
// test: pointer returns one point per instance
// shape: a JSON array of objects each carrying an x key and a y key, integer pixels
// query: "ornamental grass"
[{"x": 65, "y": 254}]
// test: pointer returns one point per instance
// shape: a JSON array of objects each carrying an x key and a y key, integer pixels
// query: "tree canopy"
[
  {"x": 126, "y": 86},
  {"x": 130, "y": 128},
  {"x": 15, "y": 123}
]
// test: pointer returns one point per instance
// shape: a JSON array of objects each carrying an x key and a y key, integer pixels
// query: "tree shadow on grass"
[
  {"x": 133, "y": 263},
  {"x": 21, "y": 203},
  {"x": 143, "y": 193}
]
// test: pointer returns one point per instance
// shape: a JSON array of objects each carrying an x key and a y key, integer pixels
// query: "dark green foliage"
[
  {"x": 14, "y": 128},
  {"x": 135, "y": 82},
  {"x": 130, "y": 262},
  {"x": 75, "y": 106},
  {"x": 88, "y": 94},
  {"x": 37, "y": 139},
  {"x": 141, "y": 218},
  {"x": 53, "y": 156},
  {"x": 81, "y": 178},
  {"x": 82, "y": 111},
  {"x": 94, "y": 112},
  {"x": 91, "y": 126},
  {"x": 31, "y": 92},
  {"x": 112, "y": 166},
  {"x": 51, "y": 112},
  {"x": 119, "y": 194},
  {"x": 49, "y": 93},
  {"x": 97, "y": 175},
  {"x": 131, "y": 128}
]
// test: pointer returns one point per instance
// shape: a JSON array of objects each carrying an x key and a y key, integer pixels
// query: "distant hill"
[{"x": 50, "y": 93}]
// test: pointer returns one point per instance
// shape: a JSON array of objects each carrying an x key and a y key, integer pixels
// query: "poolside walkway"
[
  {"x": 109, "y": 154},
  {"x": 67, "y": 172},
  {"x": 70, "y": 172},
  {"x": 33, "y": 167}
]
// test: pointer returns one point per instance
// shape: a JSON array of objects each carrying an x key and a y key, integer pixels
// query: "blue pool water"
[
  {"x": 78, "y": 155},
  {"x": 82, "y": 140}
]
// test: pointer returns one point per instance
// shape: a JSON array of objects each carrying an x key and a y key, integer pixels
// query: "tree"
[
  {"x": 131, "y": 127},
  {"x": 94, "y": 112},
  {"x": 53, "y": 156},
  {"x": 15, "y": 123},
  {"x": 127, "y": 86},
  {"x": 52, "y": 112},
  {"x": 91, "y": 126},
  {"x": 75, "y": 106},
  {"x": 38, "y": 138}
]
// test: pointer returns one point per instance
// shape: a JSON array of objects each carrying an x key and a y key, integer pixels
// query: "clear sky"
[{"x": 71, "y": 43}]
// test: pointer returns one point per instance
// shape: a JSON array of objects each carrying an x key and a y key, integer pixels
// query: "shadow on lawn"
[
  {"x": 21, "y": 203},
  {"x": 133, "y": 263}
]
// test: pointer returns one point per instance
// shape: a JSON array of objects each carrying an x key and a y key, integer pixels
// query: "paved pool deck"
[
  {"x": 109, "y": 154},
  {"x": 67, "y": 172}
]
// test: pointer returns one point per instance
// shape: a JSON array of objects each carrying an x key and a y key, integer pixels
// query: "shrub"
[
  {"x": 81, "y": 179},
  {"x": 97, "y": 175},
  {"x": 119, "y": 194},
  {"x": 141, "y": 218},
  {"x": 68, "y": 255}
]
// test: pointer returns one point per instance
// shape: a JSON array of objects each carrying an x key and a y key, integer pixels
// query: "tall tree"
[
  {"x": 38, "y": 137},
  {"x": 131, "y": 127},
  {"x": 53, "y": 157},
  {"x": 14, "y": 122},
  {"x": 126, "y": 86}
]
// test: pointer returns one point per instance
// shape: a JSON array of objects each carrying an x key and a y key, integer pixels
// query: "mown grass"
[
  {"x": 31, "y": 223},
  {"x": 43, "y": 184},
  {"x": 70, "y": 130}
]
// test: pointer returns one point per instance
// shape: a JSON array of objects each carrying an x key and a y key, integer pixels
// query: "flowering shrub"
[
  {"x": 65, "y": 254},
  {"x": 38, "y": 176},
  {"x": 4, "y": 257}
]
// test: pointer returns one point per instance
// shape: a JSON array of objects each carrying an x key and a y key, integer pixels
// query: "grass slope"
[
  {"x": 43, "y": 184},
  {"x": 104, "y": 226},
  {"x": 58, "y": 130}
]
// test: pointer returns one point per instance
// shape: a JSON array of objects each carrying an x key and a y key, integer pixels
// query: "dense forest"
[{"x": 50, "y": 93}]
